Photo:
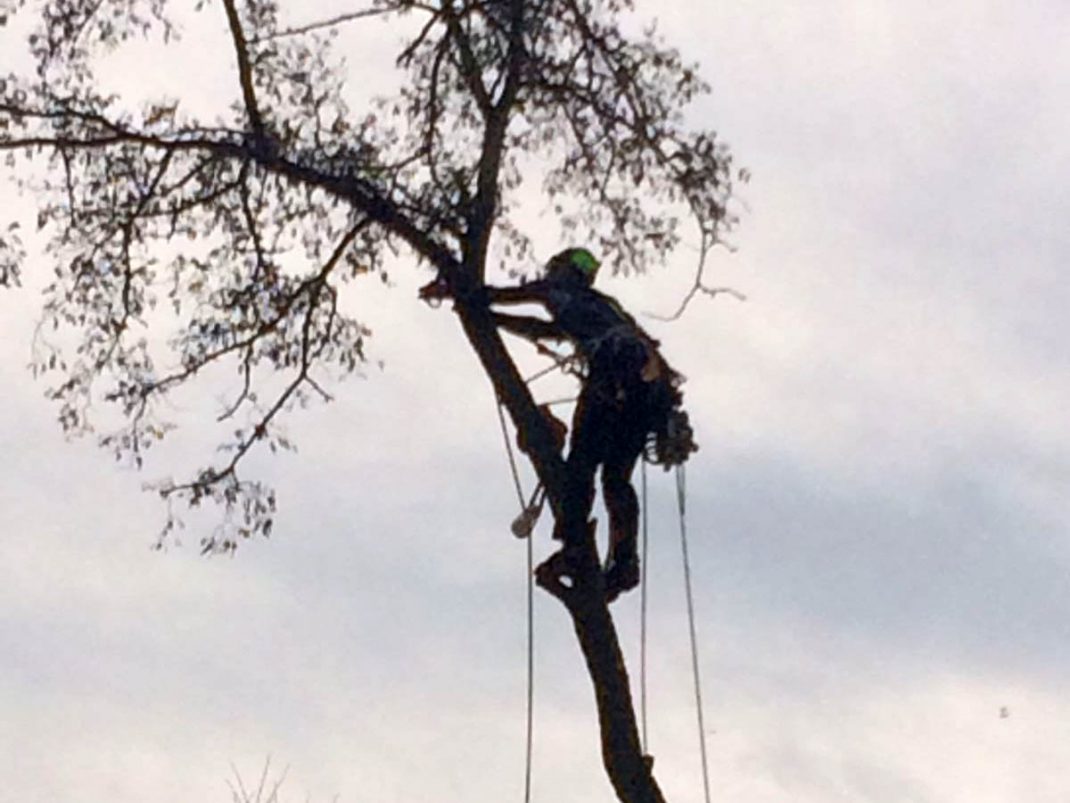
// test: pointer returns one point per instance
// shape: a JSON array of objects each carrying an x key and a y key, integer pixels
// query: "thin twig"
[
  {"x": 327, "y": 23},
  {"x": 697, "y": 286}
]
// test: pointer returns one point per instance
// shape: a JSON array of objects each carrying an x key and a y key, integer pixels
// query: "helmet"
[{"x": 572, "y": 265}]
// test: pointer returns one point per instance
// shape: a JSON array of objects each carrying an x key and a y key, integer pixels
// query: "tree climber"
[{"x": 629, "y": 396}]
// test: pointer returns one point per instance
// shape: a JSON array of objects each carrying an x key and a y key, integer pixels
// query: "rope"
[
  {"x": 540, "y": 374},
  {"x": 642, "y": 618},
  {"x": 681, "y": 494},
  {"x": 509, "y": 451},
  {"x": 530, "y": 702},
  {"x": 555, "y": 402}
]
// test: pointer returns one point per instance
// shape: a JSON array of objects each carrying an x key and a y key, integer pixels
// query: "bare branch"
[
  {"x": 470, "y": 66},
  {"x": 358, "y": 191},
  {"x": 245, "y": 71},
  {"x": 698, "y": 286},
  {"x": 498, "y": 117},
  {"x": 331, "y": 22}
]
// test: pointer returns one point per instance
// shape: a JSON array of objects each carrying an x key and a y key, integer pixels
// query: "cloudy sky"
[{"x": 878, "y": 511}]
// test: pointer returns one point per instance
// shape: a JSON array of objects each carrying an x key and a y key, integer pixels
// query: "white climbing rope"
[
  {"x": 530, "y": 704},
  {"x": 681, "y": 501},
  {"x": 643, "y": 563}
]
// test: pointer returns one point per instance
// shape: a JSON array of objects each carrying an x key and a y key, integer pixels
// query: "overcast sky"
[{"x": 878, "y": 512}]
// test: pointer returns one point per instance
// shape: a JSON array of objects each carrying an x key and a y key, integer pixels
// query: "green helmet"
[{"x": 573, "y": 264}]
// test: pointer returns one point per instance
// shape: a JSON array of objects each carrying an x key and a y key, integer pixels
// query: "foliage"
[{"x": 243, "y": 232}]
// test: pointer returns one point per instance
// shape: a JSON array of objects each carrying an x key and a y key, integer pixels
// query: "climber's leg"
[{"x": 622, "y": 558}]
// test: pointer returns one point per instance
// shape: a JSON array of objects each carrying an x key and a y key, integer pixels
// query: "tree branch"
[
  {"x": 698, "y": 286},
  {"x": 497, "y": 116},
  {"x": 482, "y": 333},
  {"x": 357, "y": 191},
  {"x": 471, "y": 70},
  {"x": 245, "y": 72},
  {"x": 321, "y": 24}
]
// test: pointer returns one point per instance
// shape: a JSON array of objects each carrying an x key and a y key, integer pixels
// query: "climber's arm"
[
  {"x": 526, "y": 326},
  {"x": 529, "y": 293},
  {"x": 530, "y": 328}
]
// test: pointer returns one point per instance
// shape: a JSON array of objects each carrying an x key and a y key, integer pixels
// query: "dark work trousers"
[{"x": 615, "y": 413}]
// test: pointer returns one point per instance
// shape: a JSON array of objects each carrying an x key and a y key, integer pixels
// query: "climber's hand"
[{"x": 435, "y": 291}]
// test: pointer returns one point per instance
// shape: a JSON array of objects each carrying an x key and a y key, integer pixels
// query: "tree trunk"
[
  {"x": 574, "y": 574},
  {"x": 628, "y": 769}
]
